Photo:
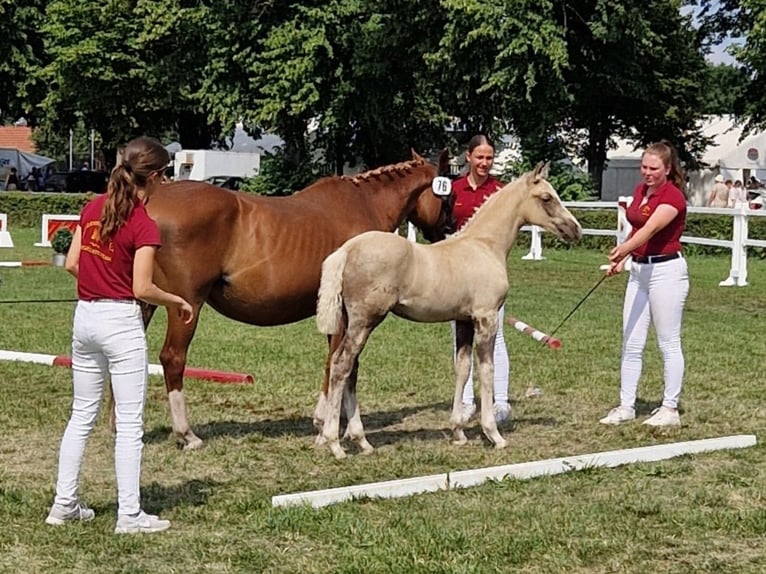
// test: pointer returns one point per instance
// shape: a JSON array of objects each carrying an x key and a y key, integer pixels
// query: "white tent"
[
  {"x": 22, "y": 161},
  {"x": 727, "y": 155}
]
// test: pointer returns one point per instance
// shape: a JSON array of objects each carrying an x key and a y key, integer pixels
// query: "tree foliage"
[{"x": 363, "y": 81}]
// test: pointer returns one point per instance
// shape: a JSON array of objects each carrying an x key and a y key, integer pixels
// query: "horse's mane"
[
  {"x": 396, "y": 168},
  {"x": 487, "y": 199}
]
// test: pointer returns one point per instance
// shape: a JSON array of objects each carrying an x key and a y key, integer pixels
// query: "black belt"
[{"x": 656, "y": 258}]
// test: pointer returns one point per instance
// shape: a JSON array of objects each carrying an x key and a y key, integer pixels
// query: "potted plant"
[{"x": 61, "y": 241}]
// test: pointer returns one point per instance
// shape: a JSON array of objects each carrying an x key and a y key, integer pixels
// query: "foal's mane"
[
  {"x": 401, "y": 168},
  {"x": 488, "y": 199}
]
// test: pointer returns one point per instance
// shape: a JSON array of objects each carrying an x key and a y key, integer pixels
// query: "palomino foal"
[{"x": 463, "y": 278}]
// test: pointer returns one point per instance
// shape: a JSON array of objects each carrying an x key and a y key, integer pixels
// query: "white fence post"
[
  {"x": 738, "y": 270},
  {"x": 535, "y": 246}
]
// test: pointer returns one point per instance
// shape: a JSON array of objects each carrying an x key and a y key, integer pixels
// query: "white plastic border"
[
  {"x": 5, "y": 236},
  {"x": 524, "y": 470}
]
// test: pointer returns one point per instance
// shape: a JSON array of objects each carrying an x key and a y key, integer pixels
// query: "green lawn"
[{"x": 701, "y": 513}]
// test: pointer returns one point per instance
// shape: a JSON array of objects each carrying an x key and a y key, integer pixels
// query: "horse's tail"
[{"x": 330, "y": 303}]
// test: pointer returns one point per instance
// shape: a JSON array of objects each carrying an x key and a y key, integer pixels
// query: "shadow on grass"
[
  {"x": 156, "y": 497},
  {"x": 376, "y": 423}
]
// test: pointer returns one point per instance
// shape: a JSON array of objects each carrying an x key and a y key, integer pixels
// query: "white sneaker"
[
  {"x": 141, "y": 523},
  {"x": 469, "y": 409},
  {"x": 62, "y": 514},
  {"x": 664, "y": 417},
  {"x": 502, "y": 412},
  {"x": 619, "y": 415}
]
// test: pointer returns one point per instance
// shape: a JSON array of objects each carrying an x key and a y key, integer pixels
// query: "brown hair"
[
  {"x": 477, "y": 140},
  {"x": 142, "y": 157},
  {"x": 667, "y": 153}
]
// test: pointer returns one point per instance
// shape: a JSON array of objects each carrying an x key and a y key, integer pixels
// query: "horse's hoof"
[
  {"x": 337, "y": 451},
  {"x": 365, "y": 447},
  {"x": 502, "y": 443},
  {"x": 192, "y": 443},
  {"x": 459, "y": 438}
]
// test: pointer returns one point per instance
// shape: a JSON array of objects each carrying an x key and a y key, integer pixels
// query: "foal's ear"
[{"x": 541, "y": 171}]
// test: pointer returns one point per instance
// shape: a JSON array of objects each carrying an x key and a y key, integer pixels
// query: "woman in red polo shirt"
[
  {"x": 658, "y": 283},
  {"x": 470, "y": 192},
  {"x": 112, "y": 257}
]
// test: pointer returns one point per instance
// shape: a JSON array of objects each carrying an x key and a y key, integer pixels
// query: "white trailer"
[{"x": 202, "y": 164}]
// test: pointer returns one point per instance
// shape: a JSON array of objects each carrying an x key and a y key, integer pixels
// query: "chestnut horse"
[
  {"x": 258, "y": 259},
  {"x": 464, "y": 278}
]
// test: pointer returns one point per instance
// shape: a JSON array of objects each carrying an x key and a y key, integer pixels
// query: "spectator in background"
[
  {"x": 719, "y": 196},
  {"x": 40, "y": 176},
  {"x": 737, "y": 194},
  {"x": 12, "y": 180}
]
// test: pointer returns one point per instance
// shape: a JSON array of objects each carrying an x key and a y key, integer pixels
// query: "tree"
[
  {"x": 132, "y": 68},
  {"x": 21, "y": 51},
  {"x": 746, "y": 19},
  {"x": 634, "y": 71},
  {"x": 724, "y": 90},
  {"x": 499, "y": 66}
]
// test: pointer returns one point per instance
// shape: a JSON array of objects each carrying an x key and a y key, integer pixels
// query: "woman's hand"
[
  {"x": 617, "y": 257},
  {"x": 615, "y": 268},
  {"x": 185, "y": 311}
]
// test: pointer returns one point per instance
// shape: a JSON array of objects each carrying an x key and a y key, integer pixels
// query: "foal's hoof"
[
  {"x": 502, "y": 443},
  {"x": 337, "y": 450},
  {"x": 194, "y": 444},
  {"x": 365, "y": 447},
  {"x": 459, "y": 438}
]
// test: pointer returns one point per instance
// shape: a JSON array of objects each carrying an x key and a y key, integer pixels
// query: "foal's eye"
[{"x": 546, "y": 197}]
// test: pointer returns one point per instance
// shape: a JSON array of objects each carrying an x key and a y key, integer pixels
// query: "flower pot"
[{"x": 59, "y": 259}]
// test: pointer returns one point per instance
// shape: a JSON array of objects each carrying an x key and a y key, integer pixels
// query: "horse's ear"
[
  {"x": 443, "y": 168},
  {"x": 415, "y": 155},
  {"x": 541, "y": 171}
]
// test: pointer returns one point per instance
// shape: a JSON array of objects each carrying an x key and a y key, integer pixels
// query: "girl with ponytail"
[{"x": 112, "y": 257}]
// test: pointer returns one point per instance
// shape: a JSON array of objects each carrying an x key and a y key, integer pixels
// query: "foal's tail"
[{"x": 330, "y": 303}]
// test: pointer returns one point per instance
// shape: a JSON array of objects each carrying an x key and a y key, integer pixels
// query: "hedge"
[{"x": 25, "y": 209}]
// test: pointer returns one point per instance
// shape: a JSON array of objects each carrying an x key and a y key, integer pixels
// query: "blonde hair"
[
  {"x": 669, "y": 156},
  {"x": 142, "y": 157}
]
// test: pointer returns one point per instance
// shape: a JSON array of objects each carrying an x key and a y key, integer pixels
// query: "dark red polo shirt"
[
  {"x": 668, "y": 239},
  {"x": 106, "y": 271},
  {"x": 468, "y": 199}
]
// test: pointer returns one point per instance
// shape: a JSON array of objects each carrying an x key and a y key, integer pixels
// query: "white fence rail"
[{"x": 738, "y": 243}]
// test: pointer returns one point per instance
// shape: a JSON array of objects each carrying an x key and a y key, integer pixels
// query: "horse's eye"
[{"x": 546, "y": 197}]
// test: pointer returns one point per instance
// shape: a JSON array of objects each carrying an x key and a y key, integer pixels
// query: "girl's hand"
[
  {"x": 615, "y": 268},
  {"x": 185, "y": 311}
]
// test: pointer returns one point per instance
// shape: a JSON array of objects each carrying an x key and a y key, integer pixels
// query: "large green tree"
[{"x": 21, "y": 52}]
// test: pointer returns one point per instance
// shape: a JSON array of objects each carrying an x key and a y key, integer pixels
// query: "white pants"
[
  {"x": 502, "y": 364},
  {"x": 107, "y": 336},
  {"x": 656, "y": 293}
]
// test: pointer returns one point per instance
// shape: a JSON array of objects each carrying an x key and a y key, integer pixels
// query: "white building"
[{"x": 727, "y": 155}]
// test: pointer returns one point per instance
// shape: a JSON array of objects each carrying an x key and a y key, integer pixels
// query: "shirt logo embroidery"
[
  {"x": 93, "y": 245},
  {"x": 646, "y": 210}
]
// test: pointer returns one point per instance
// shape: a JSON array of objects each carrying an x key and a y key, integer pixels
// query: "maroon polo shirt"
[
  {"x": 106, "y": 270},
  {"x": 668, "y": 239},
  {"x": 468, "y": 199}
]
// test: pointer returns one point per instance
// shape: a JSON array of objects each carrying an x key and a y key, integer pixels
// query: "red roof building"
[{"x": 17, "y": 137}]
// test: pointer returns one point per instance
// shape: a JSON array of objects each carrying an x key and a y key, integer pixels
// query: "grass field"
[{"x": 702, "y": 513}]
